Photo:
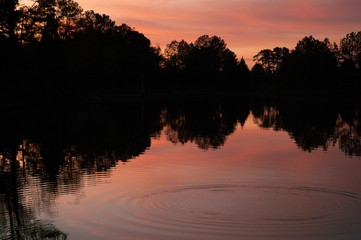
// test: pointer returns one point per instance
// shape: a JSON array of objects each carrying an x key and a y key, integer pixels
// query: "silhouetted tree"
[
  {"x": 112, "y": 57},
  {"x": 278, "y": 55},
  {"x": 175, "y": 62},
  {"x": 264, "y": 58},
  {"x": 242, "y": 66},
  {"x": 229, "y": 69},
  {"x": 271, "y": 59},
  {"x": 175, "y": 55},
  {"x": 258, "y": 74},
  {"x": 29, "y": 32},
  {"x": 45, "y": 14},
  {"x": 350, "y": 47},
  {"x": 92, "y": 21},
  {"x": 348, "y": 72},
  {"x": 9, "y": 17},
  {"x": 206, "y": 63},
  {"x": 244, "y": 74},
  {"x": 65, "y": 51},
  {"x": 205, "y": 59},
  {"x": 312, "y": 65},
  {"x": 69, "y": 14}
]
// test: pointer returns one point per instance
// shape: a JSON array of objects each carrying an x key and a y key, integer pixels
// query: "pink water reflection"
[{"x": 258, "y": 185}]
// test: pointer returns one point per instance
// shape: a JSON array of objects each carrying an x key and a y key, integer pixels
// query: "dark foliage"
[
  {"x": 205, "y": 64},
  {"x": 55, "y": 51},
  {"x": 310, "y": 65}
]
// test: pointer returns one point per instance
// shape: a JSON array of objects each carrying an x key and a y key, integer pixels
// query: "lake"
[{"x": 211, "y": 168}]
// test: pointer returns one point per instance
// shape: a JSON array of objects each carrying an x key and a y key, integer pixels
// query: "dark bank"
[
  {"x": 55, "y": 51},
  {"x": 105, "y": 136}
]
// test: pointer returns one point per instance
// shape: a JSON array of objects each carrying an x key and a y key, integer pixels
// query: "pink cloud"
[{"x": 246, "y": 25}]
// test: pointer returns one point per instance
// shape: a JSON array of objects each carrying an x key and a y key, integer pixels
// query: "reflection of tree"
[
  {"x": 308, "y": 124},
  {"x": 18, "y": 220},
  {"x": 314, "y": 123},
  {"x": 267, "y": 117},
  {"x": 74, "y": 139},
  {"x": 348, "y": 131},
  {"x": 116, "y": 133},
  {"x": 207, "y": 124},
  {"x": 50, "y": 151},
  {"x": 60, "y": 147},
  {"x": 349, "y": 141}
]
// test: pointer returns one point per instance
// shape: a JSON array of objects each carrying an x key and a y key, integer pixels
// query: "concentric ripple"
[{"x": 218, "y": 211}]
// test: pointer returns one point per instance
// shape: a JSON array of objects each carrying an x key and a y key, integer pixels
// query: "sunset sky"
[{"x": 247, "y": 26}]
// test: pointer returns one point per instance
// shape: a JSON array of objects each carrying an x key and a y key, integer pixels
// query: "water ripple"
[{"x": 227, "y": 210}]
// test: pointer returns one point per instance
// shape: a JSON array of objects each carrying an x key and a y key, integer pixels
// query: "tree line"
[
  {"x": 314, "y": 64},
  {"x": 55, "y": 48}
]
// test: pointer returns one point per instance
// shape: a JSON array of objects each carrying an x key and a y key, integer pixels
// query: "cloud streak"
[{"x": 246, "y": 25}]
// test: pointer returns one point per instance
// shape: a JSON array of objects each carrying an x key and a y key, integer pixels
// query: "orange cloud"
[{"x": 246, "y": 25}]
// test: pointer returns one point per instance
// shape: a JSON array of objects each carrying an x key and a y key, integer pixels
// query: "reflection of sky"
[
  {"x": 246, "y": 25},
  {"x": 250, "y": 156}
]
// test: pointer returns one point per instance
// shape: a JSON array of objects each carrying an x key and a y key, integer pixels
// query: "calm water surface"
[{"x": 250, "y": 173}]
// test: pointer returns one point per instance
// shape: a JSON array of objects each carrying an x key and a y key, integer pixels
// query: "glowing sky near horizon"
[{"x": 247, "y": 26}]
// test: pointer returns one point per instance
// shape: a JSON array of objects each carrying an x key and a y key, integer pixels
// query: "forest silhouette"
[
  {"x": 59, "y": 62},
  {"x": 53, "y": 50}
]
